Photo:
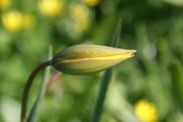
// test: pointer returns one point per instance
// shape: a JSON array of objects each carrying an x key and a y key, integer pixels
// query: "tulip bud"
[{"x": 88, "y": 59}]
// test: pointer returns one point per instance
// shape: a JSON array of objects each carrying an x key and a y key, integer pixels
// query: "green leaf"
[
  {"x": 176, "y": 71},
  {"x": 106, "y": 80}
]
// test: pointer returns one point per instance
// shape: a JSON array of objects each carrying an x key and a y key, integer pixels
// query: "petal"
[{"x": 88, "y": 59}]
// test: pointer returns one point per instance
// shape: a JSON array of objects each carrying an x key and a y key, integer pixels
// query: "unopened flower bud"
[{"x": 88, "y": 59}]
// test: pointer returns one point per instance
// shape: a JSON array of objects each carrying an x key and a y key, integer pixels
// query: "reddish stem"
[{"x": 52, "y": 81}]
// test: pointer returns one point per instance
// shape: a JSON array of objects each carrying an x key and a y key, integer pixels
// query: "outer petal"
[{"x": 88, "y": 59}]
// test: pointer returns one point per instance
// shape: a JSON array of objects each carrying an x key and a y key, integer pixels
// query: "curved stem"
[{"x": 28, "y": 86}]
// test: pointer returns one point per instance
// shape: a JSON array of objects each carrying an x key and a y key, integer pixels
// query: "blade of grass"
[
  {"x": 33, "y": 116},
  {"x": 101, "y": 97},
  {"x": 106, "y": 79},
  {"x": 116, "y": 35},
  {"x": 176, "y": 71}
]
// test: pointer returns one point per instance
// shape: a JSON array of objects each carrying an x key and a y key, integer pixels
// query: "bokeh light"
[
  {"x": 29, "y": 21},
  {"x": 80, "y": 15},
  {"x": 12, "y": 20},
  {"x": 4, "y": 4},
  {"x": 92, "y": 2},
  {"x": 146, "y": 111},
  {"x": 51, "y": 7}
]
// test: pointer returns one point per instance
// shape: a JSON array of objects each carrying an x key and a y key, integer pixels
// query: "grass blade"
[
  {"x": 106, "y": 79},
  {"x": 116, "y": 34},
  {"x": 103, "y": 89}
]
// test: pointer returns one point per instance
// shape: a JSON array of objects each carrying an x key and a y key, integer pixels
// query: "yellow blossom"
[
  {"x": 80, "y": 14},
  {"x": 28, "y": 20},
  {"x": 12, "y": 21},
  {"x": 81, "y": 25},
  {"x": 92, "y": 2},
  {"x": 79, "y": 11},
  {"x": 146, "y": 111},
  {"x": 51, "y": 7},
  {"x": 4, "y": 4}
]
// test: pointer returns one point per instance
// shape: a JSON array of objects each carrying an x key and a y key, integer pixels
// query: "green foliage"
[{"x": 177, "y": 83}]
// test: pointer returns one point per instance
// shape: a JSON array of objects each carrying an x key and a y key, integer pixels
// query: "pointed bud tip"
[{"x": 133, "y": 51}]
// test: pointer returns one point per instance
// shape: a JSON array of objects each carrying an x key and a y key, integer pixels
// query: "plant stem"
[
  {"x": 53, "y": 80},
  {"x": 28, "y": 86},
  {"x": 101, "y": 97},
  {"x": 34, "y": 113}
]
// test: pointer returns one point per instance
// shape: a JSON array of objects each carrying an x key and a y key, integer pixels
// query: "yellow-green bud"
[{"x": 88, "y": 59}]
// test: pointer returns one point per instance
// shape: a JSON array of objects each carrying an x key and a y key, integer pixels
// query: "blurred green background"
[{"x": 145, "y": 88}]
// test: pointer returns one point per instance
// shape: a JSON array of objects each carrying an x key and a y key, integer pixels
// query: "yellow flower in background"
[
  {"x": 51, "y": 7},
  {"x": 81, "y": 25},
  {"x": 92, "y": 2},
  {"x": 80, "y": 14},
  {"x": 112, "y": 120},
  {"x": 28, "y": 21},
  {"x": 79, "y": 11},
  {"x": 12, "y": 21},
  {"x": 146, "y": 111},
  {"x": 4, "y": 4}
]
